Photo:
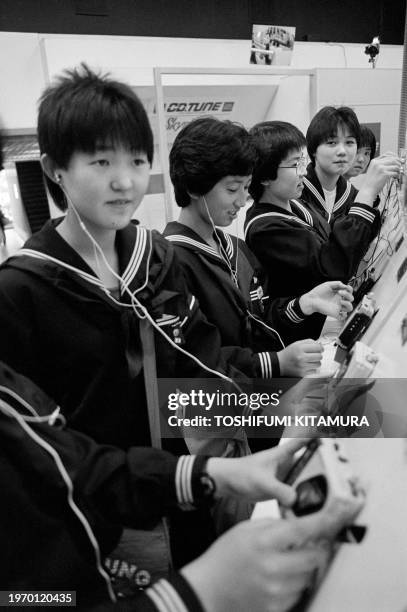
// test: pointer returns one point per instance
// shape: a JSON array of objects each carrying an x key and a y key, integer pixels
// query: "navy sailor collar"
[
  {"x": 298, "y": 213},
  {"x": 184, "y": 236},
  {"x": 50, "y": 248},
  {"x": 312, "y": 183}
]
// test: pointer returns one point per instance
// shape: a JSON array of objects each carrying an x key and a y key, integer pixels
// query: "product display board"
[
  {"x": 371, "y": 576},
  {"x": 183, "y": 103},
  {"x": 248, "y": 104}
]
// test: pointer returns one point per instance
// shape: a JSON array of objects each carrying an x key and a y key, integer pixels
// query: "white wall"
[
  {"x": 23, "y": 74},
  {"x": 22, "y": 79},
  {"x": 29, "y": 61}
]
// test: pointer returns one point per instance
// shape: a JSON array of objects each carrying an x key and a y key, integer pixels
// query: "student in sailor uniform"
[
  {"x": 334, "y": 139},
  {"x": 68, "y": 498},
  {"x": 211, "y": 162},
  {"x": 356, "y": 173},
  {"x": 295, "y": 244},
  {"x": 75, "y": 301}
]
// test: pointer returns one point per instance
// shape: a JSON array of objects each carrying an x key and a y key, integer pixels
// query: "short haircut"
[
  {"x": 325, "y": 125},
  {"x": 274, "y": 140},
  {"x": 367, "y": 139},
  {"x": 83, "y": 111},
  {"x": 205, "y": 151}
]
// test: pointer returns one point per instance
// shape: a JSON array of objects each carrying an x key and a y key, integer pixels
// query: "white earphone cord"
[
  {"x": 234, "y": 274},
  {"x": 135, "y": 303},
  {"x": 223, "y": 253}
]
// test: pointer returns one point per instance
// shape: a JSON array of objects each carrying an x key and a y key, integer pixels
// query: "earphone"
[{"x": 57, "y": 177}]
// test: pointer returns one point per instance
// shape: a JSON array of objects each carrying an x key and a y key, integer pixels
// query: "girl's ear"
[
  {"x": 194, "y": 196},
  {"x": 50, "y": 168}
]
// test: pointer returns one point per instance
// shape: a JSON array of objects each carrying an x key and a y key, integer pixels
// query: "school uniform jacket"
[
  {"x": 66, "y": 498},
  {"x": 231, "y": 293},
  {"x": 313, "y": 196},
  {"x": 60, "y": 328},
  {"x": 299, "y": 249}
]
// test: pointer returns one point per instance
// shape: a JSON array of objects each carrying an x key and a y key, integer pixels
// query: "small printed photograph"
[{"x": 272, "y": 45}]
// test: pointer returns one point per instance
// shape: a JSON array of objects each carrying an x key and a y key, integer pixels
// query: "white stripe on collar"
[
  {"x": 314, "y": 191},
  {"x": 275, "y": 214},
  {"x": 44, "y": 257},
  {"x": 136, "y": 257},
  {"x": 321, "y": 200},
  {"x": 343, "y": 197},
  {"x": 305, "y": 211},
  {"x": 195, "y": 243},
  {"x": 229, "y": 244}
]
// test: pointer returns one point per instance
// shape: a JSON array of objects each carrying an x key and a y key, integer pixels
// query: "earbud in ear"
[{"x": 57, "y": 177}]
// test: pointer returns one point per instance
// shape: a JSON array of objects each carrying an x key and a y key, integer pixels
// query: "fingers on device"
[
  {"x": 357, "y": 323},
  {"x": 324, "y": 480}
]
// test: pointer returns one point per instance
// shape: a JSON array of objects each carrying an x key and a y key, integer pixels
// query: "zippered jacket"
[{"x": 65, "y": 499}]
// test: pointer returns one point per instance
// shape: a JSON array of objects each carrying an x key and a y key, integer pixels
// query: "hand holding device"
[
  {"x": 256, "y": 477},
  {"x": 259, "y": 565},
  {"x": 332, "y": 298},
  {"x": 325, "y": 483},
  {"x": 300, "y": 358}
]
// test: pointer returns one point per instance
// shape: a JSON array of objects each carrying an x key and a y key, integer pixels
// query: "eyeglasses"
[{"x": 300, "y": 165}]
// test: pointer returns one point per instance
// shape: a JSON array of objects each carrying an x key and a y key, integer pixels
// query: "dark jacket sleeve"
[
  {"x": 200, "y": 338},
  {"x": 16, "y": 339},
  {"x": 204, "y": 342},
  {"x": 166, "y": 595},
  {"x": 279, "y": 320},
  {"x": 135, "y": 487},
  {"x": 107, "y": 485},
  {"x": 298, "y": 256}
]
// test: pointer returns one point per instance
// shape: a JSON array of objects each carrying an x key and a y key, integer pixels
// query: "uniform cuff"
[
  {"x": 174, "y": 595},
  {"x": 364, "y": 211},
  {"x": 188, "y": 486},
  {"x": 294, "y": 312},
  {"x": 269, "y": 365}
]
